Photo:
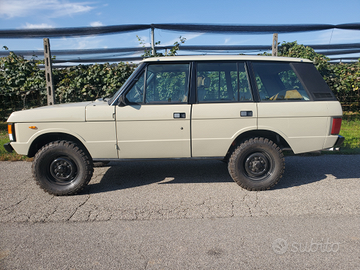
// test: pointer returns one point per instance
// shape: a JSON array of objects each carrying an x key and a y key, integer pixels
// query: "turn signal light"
[
  {"x": 336, "y": 125},
  {"x": 11, "y": 132}
]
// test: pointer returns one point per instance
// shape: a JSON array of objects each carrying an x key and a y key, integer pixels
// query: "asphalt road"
[{"x": 185, "y": 214}]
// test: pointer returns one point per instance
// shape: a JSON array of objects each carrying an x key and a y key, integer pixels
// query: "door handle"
[
  {"x": 246, "y": 113},
  {"x": 179, "y": 115}
]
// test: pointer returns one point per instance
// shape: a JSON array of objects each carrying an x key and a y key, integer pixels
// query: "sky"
[{"x": 27, "y": 14}]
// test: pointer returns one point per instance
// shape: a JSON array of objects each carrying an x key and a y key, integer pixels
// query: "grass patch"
[{"x": 350, "y": 129}]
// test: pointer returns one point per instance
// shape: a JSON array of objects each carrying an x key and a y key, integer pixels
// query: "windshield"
[{"x": 117, "y": 94}]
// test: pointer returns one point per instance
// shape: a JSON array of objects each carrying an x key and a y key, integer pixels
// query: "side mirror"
[{"x": 122, "y": 102}]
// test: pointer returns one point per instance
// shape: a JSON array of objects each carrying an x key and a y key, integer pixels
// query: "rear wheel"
[
  {"x": 257, "y": 164},
  {"x": 62, "y": 168}
]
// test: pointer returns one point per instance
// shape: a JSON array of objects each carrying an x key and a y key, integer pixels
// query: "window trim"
[{"x": 252, "y": 81}]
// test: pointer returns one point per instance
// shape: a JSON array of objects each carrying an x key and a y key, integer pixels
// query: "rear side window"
[
  {"x": 222, "y": 82},
  {"x": 278, "y": 82}
]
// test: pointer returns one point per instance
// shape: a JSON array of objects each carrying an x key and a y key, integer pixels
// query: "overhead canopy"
[{"x": 202, "y": 28}]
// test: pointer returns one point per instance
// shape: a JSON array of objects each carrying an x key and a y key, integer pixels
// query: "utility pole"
[
  {"x": 153, "y": 41},
  {"x": 48, "y": 73},
  {"x": 275, "y": 45}
]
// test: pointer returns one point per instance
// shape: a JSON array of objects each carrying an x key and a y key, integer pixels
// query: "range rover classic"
[{"x": 244, "y": 110}]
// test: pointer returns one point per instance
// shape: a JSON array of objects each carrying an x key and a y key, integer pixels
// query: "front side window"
[
  {"x": 222, "y": 82},
  {"x": 167, "y": 83},
  {"x": 278, "y": 81},
  {"x": 161, "y": 83}
]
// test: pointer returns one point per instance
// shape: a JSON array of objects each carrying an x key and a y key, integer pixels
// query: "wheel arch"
[
  {"x": 271, "y": 135},
  {"x": 44, "y": 139}
]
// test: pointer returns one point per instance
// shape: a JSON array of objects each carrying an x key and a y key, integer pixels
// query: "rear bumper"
[
  {"x": 337, "y": 144},
  {"x": 339, "y": 141},
  {"x": 8, "y": 147}
]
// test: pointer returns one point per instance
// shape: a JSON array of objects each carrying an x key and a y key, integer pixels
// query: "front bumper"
[{"x": 8, "y": 147}]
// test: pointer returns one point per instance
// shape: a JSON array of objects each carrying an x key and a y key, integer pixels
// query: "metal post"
[
  {"x": 152, "y": 41},
  {"x": 48, "y": 73},
  {"x": 275, "y": 45}
]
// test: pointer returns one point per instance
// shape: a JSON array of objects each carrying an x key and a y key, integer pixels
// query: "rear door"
[{"x": 224, "y": 107}]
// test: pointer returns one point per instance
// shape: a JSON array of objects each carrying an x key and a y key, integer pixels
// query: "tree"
[{"x": 173, "y": 50}]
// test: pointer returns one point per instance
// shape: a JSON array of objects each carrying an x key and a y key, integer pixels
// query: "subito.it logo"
[{"x": 279, "y": 246}]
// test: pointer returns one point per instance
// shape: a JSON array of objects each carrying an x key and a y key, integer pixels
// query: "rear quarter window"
[{"x": 313, "y": 81}]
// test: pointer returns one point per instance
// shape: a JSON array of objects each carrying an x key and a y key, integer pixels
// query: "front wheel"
[
  {"x": 62, "y": 168},
  {"x": 257, "y": 164}
]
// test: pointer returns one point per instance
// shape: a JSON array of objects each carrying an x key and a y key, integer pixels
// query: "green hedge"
[{"x": 22, "y": 83}]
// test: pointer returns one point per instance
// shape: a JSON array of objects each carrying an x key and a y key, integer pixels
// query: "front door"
[{"x": 155, "y": 123}]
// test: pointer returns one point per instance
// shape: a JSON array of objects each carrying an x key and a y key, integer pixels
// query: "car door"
[
  {"x": 224, "y": 107},
  {"x": 155, "y": 122}
]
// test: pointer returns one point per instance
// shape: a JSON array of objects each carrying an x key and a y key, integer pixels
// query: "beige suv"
[{"x": 245, "y": 110}]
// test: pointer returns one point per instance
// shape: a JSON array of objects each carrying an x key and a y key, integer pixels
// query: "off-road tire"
[
  {"x": 257, "y": 164},
  {"x": 62, "y": 168}
]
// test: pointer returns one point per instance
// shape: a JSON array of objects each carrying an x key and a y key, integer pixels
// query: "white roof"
[{"x": 224, "y": 57}]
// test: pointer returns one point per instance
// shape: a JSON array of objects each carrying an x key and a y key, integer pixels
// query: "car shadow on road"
[
  {"x": 129, "y": 174},
  {"x": 299, "y": 170},
  {"x": 303, "y": 170}
]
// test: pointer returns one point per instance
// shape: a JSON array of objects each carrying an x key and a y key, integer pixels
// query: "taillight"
[
  {"x": 11, "y": 132},
  {"x": 336, "y": 125}
]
